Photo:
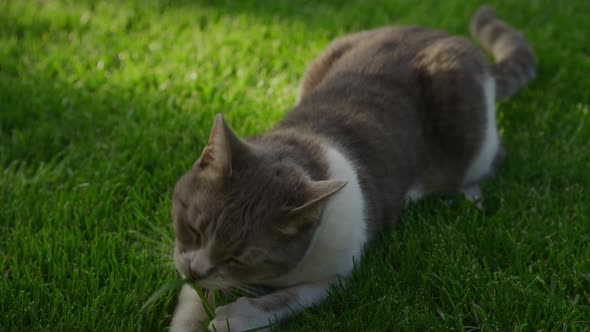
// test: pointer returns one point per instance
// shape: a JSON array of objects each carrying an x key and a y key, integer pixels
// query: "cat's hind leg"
[
  {"x": 460, "y": 118},
  {"x": 473, "y": 194},
  {"x": 490, "y": 151}
]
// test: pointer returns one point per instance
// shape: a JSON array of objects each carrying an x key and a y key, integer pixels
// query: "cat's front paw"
[
  {"x": 189, "y": 315},
  {"x": 238, "y": 316}
]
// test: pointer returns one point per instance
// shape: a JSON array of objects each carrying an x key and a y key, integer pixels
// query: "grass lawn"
[{"x": 104, "y": 105}]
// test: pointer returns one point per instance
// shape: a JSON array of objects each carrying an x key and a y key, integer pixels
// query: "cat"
[{"x": 383, "y": 117}]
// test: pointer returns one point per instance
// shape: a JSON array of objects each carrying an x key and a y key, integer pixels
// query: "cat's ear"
[
  {"x": 309, "y": 212},
  {"x": 317, "y": 192},
  {"x": 223, "y": 145}
]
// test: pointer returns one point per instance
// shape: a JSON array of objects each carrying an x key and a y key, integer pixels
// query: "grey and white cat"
[{"x": 384, "y": 116}]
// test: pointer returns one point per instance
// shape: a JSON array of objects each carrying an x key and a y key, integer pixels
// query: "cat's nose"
[
  {"x": 199, "y": 266},
  {"x": 198, "y": 271}
]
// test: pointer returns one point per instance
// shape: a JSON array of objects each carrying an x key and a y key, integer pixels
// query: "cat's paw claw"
[
  {"x": 473, "y": 194},
  {"x": 233, "y": 324},
  {"x": 219, "y": 326}
]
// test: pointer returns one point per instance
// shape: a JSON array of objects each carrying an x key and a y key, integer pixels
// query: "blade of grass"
[
  {"x": 206, "y": 305},
  {"x": 175, "y": 284},
  {"x": 260, "y": 328}
]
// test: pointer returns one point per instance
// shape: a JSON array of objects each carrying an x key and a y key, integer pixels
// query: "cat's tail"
[{"x": 514, "y": 64}]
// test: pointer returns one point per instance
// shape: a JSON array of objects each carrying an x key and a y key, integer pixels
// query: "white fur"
[
  {"x": 189, "y": 312},
  {"x": 340, "y": 237},
  {"x": 472, "y": 193},
  {"x": 482, "y": 163},
  {"x": 200, "y": 262},
  {"x": 245, "y": 314},
  {"x": 413, "y": 195}
]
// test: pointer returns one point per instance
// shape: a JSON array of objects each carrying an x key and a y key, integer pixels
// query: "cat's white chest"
[{"x": 342, "y": 234}]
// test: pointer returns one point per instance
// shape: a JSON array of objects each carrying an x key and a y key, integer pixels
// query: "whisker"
[
  {"x": 160, "y": 252},
  {"x": 248, "y": 290},
  {"x": 155, "y": 246},
  {"x": 160, "y": 230},
  {"x": 143, "y": 237},
  {"x": 167, "y": 264}
]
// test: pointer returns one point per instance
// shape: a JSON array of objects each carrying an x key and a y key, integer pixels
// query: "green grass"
[{"x": 104, "y": 105}]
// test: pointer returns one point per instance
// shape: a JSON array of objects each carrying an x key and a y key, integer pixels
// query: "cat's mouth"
[{"x": 215, "y": 284}]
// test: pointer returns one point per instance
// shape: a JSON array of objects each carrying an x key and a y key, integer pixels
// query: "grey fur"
[
  {"x": 404, "y": 104},
  {"x": 514, "y": 60}
]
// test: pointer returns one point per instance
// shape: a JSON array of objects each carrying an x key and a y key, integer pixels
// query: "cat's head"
[{"x": 241, "y": 215}]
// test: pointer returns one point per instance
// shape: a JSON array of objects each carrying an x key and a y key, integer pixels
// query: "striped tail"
[{"x": 514, "y": 63}]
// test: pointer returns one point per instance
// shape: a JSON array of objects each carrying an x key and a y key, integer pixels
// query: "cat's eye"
[
  {"x": 194, "y": 232},
  {"x": 235, "y": 261},
  {"x": 177, "y": 198}
]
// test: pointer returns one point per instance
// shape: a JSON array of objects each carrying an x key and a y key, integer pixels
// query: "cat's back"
[
  {"x": 390, "y": 85},
  {"x": 371, "y": 88},
  {"x": 392, "y": 98},
  {"x": 399, "y": 53},
  {"x": 384, "y": 50}
]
